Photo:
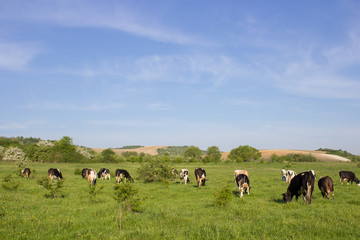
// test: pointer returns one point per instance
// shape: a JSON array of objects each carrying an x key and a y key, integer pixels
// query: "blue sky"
[{"x": 270, "y": 74}]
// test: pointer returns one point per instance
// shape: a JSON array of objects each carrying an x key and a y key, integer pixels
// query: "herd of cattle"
[{"x": 302, "y": 183}]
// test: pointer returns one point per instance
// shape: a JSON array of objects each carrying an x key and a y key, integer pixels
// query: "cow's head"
[{"x": 287, "y": 197}]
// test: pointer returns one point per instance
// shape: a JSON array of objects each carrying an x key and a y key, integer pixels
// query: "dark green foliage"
[
  {"x": 293, "y": 158},
  {"x": 93, "y": 191},
  {"x": 213, "y": 155},
  {"x": 193, "y": 154},
  {"x": 127, "y": 195},
  {"x": 53, "y": 187},
  {"x": 223, "y": 196},
  {"x": 172, "y": 150},
  {"x": 130, "y": 147},
  {"x": 244, "y": 154},
  {"x": 9, "y": 183},
  {"x": 78, "y": 171},
  {"x": 155, "y": 172},
  {"x": 341, "y": 153}
]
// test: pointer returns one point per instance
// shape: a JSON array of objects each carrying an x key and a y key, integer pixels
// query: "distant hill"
[{"x": 321, "y": 156}]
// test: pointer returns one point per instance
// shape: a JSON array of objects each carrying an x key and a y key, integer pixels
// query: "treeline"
[
  {"x": 293, "y": 157},
  {"x": 341, "y": 153},
  {"x": 63, "y": 150}
]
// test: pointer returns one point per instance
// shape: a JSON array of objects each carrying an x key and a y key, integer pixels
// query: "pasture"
[{"x": 179, "y": 211}]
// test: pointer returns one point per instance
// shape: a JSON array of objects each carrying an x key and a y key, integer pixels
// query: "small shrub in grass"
[
  {"x": 9, "y": 183},
  {"x": 223, "y": 196},
  {"x": 155, "y": 172},
  {"x": 93, "y": 191},
  {"x": 127, "y": 195},
  {"x": 53, "y": 187},
  {"x": 77, "y": 171}
]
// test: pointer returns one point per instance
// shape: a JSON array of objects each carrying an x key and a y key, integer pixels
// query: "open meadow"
[{"x": 178, "y": 211}]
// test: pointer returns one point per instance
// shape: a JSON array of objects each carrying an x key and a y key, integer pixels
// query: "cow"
[
  {"x": 283, "y": 175},
  {"x": 122, "y": 175},
  {"x": 290, "y": 174},
  {"x": 326, "y": 186},
  {"x": 303, "y": 183},
  {"x": 92, "y": 176},
  {"x": 243, "y": 182},
  {"x": 184, "y": 174},
  {"x": 200, "y": 176},
  {"x": 54, "y": 173},
  {"x": 26, "y": 172},
  {"x": 238, "y": 172},
  {"x": 104, "y": 173},
  {"x": 85, "y": 172},
  {"x": 313, "y": 173},
  {"x": 348, "y": 176}
]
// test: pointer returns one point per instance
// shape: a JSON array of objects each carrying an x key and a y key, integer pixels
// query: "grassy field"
[{"x": 180, "y": 211}]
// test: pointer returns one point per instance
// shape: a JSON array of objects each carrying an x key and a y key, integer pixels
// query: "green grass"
[{"x": 179, "y": 211}]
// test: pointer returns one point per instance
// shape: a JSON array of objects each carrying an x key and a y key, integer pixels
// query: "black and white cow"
[
  {"x": 349, "y": 177},
  {"x": 26, "y": 172},
  {"x": 54, "y": 173},
  {"x": 326, "y": 186},
  {"x": 104, "y": 173},
  {"x": 122, "y": 175},
  {"x": 303, "y": 183},
  {"x": 200, "y": 176},
  {"x": 290, "y": 174},
  {"x": 85, "y": 172},
  {"x": 184, "y": 174},
  {"x": 243, "y": 182},
  {"x": 238, "y": 172}
]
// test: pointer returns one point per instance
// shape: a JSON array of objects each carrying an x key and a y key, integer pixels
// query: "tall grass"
[{"x": 179, "y": 211}]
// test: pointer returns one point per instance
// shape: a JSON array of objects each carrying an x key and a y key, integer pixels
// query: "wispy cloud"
[
  {"x": 113, "y": 15},
  {"x": 53, "y": 106},
  {"x": 15, "y": 56}
]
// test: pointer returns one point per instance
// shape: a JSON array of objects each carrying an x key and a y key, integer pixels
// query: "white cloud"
[
  {"x": 15, "y": 56},
  {"x": 114, "y": 15}
]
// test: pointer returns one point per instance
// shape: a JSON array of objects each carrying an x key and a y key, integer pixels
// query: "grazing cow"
[
  {"x": 26, "y": 172},
  {"x": 283, "y": 175},
  {"x": 238, "y": 172},
  {"x": 122, "y": 175},
  {"x": 302, "y": 183},
  {"x": 104, "y": 173},
  {"x": 348, "y": 176},
  {"x": 200, "y": 175},
  {"x": 326, "y": 186},
  {"x": 92, "y": 176},
  {"x": 184, "y": 174},
  {"x": 243, "y": 182},
  {"x": 54, "y": 173},
  {"x": 313, "y": 173},
  {"x": 290, "y": 174},
  {"x": 85, "y": 172}
]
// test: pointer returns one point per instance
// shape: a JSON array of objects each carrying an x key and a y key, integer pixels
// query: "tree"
[
  {"x": 244, "y": 154},
  {"x": 193, "y": 153},
  {"x": 213, "y": 154}
]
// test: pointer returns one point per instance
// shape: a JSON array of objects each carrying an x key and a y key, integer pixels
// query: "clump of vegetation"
[
  {"x": 223, "y": 196},
  {"x": 78, "y": 171},
  {"x": 293, "y": 158},
  {"x": 53, "y": 187},
  {"x": 94, "y": 191},
  {"x": 341, "y": 153},
  {"x": 130, "y": 147},
  {"x": 244, "y": 154},
  {"x": 9, "y": 183},
  {"x": 172, "y": 151},
  {"x": 155, "y": 172}
]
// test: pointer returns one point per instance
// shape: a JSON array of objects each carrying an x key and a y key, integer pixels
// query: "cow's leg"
[{"x": 240, "y": 192}]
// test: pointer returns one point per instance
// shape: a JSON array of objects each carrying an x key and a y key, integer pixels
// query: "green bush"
[
  {"x": 53, "y": 187},
  {"x": 155, "y": 172},
  {"x": 244, "y": 154},
  {"x": 223, "y": 196},
  {"x": 78, "y": 171},
  {"x": 9, "y": 183},
  {"x": 127, "y": 195}
]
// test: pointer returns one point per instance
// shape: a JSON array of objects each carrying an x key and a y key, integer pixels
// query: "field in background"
[
  {"x": 266, "y": 153},
  {"x": 179, "y": 211}
]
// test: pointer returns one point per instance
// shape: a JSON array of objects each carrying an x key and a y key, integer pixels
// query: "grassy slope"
[{"x": 181, "y": 211}]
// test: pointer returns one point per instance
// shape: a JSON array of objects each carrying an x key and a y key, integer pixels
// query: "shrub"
[
  {"x": 223, "y": 196},
  {"x": 53, "y": 187},
  {"x": 244, "y": 154},
  {"x": 78, "y": 171},
  {"x": 9, "y": 183},
  {"x": 155, "y": 172},
  {"x": 93, "y": 191},
  {"x": 127, "y": 195}
]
